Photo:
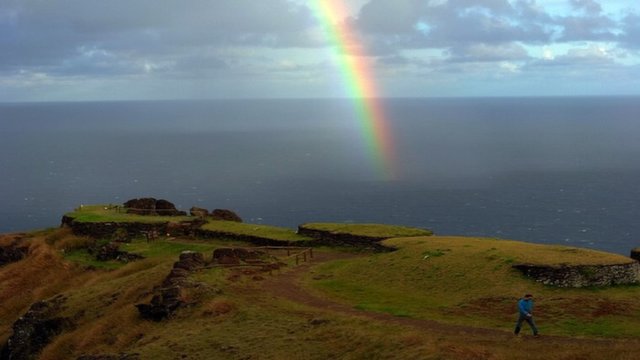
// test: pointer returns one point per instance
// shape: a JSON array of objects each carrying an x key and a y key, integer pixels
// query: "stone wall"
[
  {"x": 108, "y": 229},
  {"x": 255, "y": 240},
  {"x": 583, "y": 275},
  {"x": 343, "y": 239}
]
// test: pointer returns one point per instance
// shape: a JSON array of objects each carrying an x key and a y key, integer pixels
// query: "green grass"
[
  {"x": 470, "y": 281},
  {"x": 106, "y": 213},
  {"x": 167, "y": 248},
  {"x": 369, "y": 230},
  {"x": 82, "y": 257},
  {"x": 263, "y": 231}
]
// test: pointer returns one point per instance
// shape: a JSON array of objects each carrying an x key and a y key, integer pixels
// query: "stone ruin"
[
  {"x": 151, "y": 206},
  {"x": 226, "y": 215},
  {"x": 170, "y": 295},
  {"x": 582, "y": 275}
]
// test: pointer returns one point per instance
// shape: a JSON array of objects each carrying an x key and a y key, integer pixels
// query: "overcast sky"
[{"x": 71, "y": 50}]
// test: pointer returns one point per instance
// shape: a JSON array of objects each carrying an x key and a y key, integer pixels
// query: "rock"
[
  {"x": 226, "y": 215},
  {"x": 635, "y": 254},
  {"x": 199, "y": 212},
  {"x": 225, "y": 256},
  {"x": 111, "y": 251},
  {"x": 13, "y": 252},
  {"x": 151, "y": 206},
  {"x": 170, "y": 296},
  {"x": 582, "y": 275},
  {"x": 35, "y": 329},
  {"x": 143, "y": 206},
  {"x": 189, "y": 260}
]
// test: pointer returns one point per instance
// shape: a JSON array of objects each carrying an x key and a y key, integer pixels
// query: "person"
[{"x": 525, "y": 309}]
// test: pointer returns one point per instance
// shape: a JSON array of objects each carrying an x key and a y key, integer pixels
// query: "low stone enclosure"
[
  {"x": 169, "y": 296},
  {"x": 583, "y": 275}
]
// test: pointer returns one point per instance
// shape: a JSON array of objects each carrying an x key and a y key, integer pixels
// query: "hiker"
[{"x": 525, "y": 308}]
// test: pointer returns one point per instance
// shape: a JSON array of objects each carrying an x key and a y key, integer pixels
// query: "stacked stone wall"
[{"x": 583, "y": 275}]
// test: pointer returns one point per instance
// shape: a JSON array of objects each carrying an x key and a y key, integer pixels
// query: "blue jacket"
[{"x": 525, "y": 306}]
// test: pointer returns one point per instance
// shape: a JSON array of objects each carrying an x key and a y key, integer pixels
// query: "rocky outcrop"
[
  {"x": 330, "y": 238},
  {"x": 151, "y": 206},
  {"x": 35, "y": 329},
  {"x": 111, "y": 251},
  {"x": 199, "y": 212},
  {"x": 169, "y": 297},
  {"x": 635, "y": 254},
  {"x": 226, "y": 215},
  {"x": 13, "y": 251},
  {"x": 582, "y": 275}
]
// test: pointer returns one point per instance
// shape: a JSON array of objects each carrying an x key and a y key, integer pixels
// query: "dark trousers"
[{"x": 529, "y": 320}]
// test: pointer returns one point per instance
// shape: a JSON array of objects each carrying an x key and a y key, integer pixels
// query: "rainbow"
[{"x": 357, "y": 72}]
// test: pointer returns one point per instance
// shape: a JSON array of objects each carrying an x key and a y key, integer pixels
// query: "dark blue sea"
[{"x": 543, "y": 170}]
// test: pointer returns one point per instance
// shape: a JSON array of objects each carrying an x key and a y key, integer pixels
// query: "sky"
[{"x": 88, "y": 50}]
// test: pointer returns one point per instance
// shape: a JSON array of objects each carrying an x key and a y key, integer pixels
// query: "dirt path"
[{"x": 288, "y": 285}]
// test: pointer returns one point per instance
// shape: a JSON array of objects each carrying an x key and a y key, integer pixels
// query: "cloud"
[
  {"x": 47, "y": 34},
  {"x": 480, "y": 52}
]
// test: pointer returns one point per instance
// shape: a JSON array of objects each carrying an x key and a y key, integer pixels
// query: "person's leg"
[
  {"x": 533, "y": 325},
  {"x": 519, "y": 324}
]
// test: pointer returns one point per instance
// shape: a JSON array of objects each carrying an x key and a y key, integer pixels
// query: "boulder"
[
  {"x": 162, "y": 305},
  {"x": 199, "y": 212},
  {"x": 226, "y": 215},
  {"x": 35, "y": 329},
  {"x": 111, "y": 251},
  {"x": 225, "y": 256},
  {"x": 12, "y": 253},
  {"x": 151, "y": 206},
  {"x": 189, "y": 260}
]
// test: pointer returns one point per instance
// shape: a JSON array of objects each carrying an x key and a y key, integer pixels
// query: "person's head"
[{"x": 528, "y": 297}]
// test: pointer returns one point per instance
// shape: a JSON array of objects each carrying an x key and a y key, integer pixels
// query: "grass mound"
[
  {"x": 367, "y": 230},
  {"x": 470, "y": 281}
]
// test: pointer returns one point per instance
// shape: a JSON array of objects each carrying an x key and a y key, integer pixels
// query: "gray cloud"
[{"x": 50, "y": 34}]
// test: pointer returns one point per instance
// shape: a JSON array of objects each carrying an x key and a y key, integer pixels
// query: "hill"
[{"x": 432, "y": 297}]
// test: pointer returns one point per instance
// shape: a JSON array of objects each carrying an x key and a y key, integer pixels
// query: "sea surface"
[{"x": 543, "y": 170}]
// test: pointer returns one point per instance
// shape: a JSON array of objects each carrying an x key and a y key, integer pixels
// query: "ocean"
[{"x": 543, "y": 170}]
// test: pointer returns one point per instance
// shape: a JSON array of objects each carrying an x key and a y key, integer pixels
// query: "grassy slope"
[
  {"x": 237, "y": 319},
  {"x": 105, "y": 213},
  {"x": 372, "y": 230},
  {"x": 264, "y": 231},
  {"x": 470, "y": 281}
]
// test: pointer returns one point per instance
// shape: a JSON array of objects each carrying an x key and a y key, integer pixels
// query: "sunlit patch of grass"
[
  {"x": 262, "y": 231},
  {"x": 108, "y": 213},
  {"x": 470, "y": 281},
  {"x": 165, "y": 247},
  {"x": 369, "y": 230}
]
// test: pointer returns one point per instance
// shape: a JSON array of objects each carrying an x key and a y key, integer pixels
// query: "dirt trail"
[{"x": 288, "y": 285}]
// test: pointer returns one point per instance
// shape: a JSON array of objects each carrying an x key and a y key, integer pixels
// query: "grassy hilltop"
[{"x": 433, "y": 298}]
